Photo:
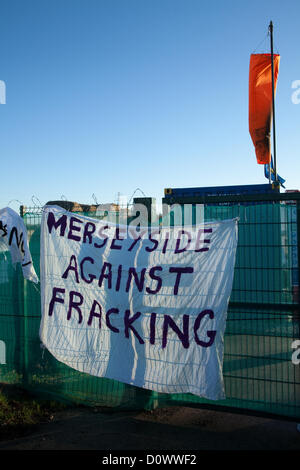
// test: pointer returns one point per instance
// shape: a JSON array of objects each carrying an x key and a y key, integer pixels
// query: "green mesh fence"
[{"x": 262, "y": 323}]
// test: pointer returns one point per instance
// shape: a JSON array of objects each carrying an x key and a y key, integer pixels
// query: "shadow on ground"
[{"x": 175, "y": 428}]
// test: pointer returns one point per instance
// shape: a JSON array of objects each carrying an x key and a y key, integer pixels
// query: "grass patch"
[{"x": 20, "y": 413}]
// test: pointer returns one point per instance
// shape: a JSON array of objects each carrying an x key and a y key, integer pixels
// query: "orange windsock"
[{"x": 260, "y": 103}]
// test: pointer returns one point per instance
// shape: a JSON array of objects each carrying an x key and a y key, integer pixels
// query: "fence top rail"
[
  {"x": 276, "y": 197},
  {"x": 229, "y": 198}
]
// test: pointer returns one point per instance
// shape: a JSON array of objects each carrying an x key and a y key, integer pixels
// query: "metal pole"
[
  {"x": 23, "y": 287},
  {"x": 273, "y": 101}
]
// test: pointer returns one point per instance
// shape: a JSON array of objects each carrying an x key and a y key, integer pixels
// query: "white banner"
[
  {"x": 13, "y": 235},
  {"x": 147, "y": 307}
]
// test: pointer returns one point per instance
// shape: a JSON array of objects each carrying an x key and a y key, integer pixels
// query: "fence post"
[
  {"x": 150, "y": 398},
  {"x": 25, "y": 321},
  {"x": 26, "y": 339}
]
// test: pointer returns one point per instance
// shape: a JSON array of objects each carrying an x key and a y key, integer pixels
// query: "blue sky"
[{"x": 108, "y": 96}]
